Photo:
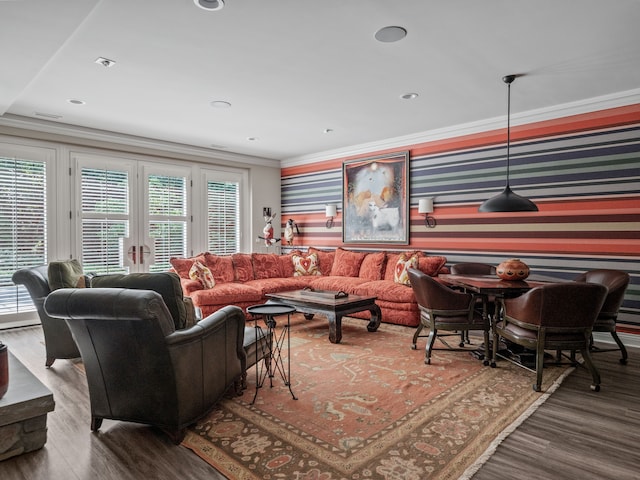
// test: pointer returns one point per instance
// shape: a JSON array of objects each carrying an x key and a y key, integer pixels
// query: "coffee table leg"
[
  {"x": 376, "y": 318},
  {"x": 335, "y": 327}
]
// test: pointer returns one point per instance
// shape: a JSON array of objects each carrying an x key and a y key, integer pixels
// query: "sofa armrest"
[{"x": 189, "y": 286}]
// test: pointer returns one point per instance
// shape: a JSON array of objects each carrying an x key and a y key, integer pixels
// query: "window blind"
[
  {"x": 167, "y": 197},
  {"x": 23, "y": 227},
  {"x": 105, "y": 219},
  {"x": 223, "y": 223}
]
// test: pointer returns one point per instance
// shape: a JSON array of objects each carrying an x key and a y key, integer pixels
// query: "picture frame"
[{"x": 375, "y": 203}]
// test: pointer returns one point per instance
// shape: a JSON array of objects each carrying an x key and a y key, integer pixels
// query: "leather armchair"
[
  {"x": 442, "y": 308},
  {"x": 556, "y": 317},
  {"x": 57, "y": 337},
  {"x": 139, "y": 368},
  {"x": 616, "y": 281}
]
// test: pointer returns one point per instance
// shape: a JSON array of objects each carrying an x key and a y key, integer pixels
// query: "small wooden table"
[
  {"x": 23, "y": 412},
  {"x": 312, "y": 302}
]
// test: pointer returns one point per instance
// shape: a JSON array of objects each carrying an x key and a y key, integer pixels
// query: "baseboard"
[{"x": 628, "y": 339}]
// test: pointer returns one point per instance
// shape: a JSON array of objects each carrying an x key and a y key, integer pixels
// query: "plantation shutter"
[
  {"x": 167, "y": 199},
  {"x": 223, "y": 223},
  {"x": 23, "y": 227},
  {"x": 105, "y": 219}
]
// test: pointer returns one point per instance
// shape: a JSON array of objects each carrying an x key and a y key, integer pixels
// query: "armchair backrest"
[
  {"x": 567, "y": 305},
  {"x": 167, "y": 284},
  {"x": 432, "y": 295},
  {"x": 473, "y": 268},
  {"x": 616, "y": 282},
  {"x": 36, "y": 281}
]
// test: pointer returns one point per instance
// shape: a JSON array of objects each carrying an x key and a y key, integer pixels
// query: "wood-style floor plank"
[{"x": 575, "y": 434}]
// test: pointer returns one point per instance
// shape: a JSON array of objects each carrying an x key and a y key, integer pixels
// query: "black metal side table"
[{"x": 274, "y": 357}]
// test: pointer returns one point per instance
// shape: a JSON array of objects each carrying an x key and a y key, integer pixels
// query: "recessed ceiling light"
[
  {"x": 252, "y": 139},
  {"x": 75, "y": 101},
  {"x": 409, "y": 96},
  {"x": 390, "y": 34},
  {"x": 327, "y": 130},
  {"x": 105, "y": 62},
  {"x": 220, "y": 104},
  {"x": 210, "y": 5}
]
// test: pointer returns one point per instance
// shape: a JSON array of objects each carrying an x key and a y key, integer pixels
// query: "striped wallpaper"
[{"x": 582, "y": 171}]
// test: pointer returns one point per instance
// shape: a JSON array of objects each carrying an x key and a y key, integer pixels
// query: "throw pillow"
[
  {"x": 401, "y": 274},
  {"x": 201, "y": 273},
  {"x": 325, "y": 259},
  {"x": 305, "y": 265},
  {"x": 431, "y": 265},
  {"x": 372, "y": 266},
  {"x": 347, "y": 263},
  {"x": 182, "y": 266},
  {"x": 64, "y": 274}
]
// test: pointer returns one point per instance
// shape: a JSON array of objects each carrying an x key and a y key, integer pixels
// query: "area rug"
[{"x": 367, "y": 408}]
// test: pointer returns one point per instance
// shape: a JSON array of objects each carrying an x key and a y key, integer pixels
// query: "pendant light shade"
[{"x": 507, "y": 201}]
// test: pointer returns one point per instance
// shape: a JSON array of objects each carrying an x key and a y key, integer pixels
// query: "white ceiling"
[{"x": 293, "y": 68}]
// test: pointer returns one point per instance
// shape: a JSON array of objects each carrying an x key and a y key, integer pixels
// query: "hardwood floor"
[{"x": 576, "y": 434}]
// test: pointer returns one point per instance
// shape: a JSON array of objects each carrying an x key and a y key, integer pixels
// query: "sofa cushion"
[
  {"x": 242, "y": 267},
  {"x": 336, "y": 284},
  {"x": 347, "y": 263},
  {"x": 387, "y": 291},
  {"x": 430, "y": 264},
  {"x": 65, "y": 274},
  {"x": 266, "y": 265},
  {"x": 221, "y": 267},
  {"x": 392, "y": 261},
  {"x": 304, "y": 265},
  {"x": 372, "y": 266},
  {"x": 325, "y": 259},
  {"x": 167, "y": 284},
  {"x": 233, "y": 293},
  {"x": 201, "y": 272},
  {"x": 286, "y": 263},
  {"x": 182, "y": 266},
  {"x": 404, "y": 263}
]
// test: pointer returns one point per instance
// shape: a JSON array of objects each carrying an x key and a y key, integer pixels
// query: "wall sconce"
[
  {"x": 331, "y": 211},
  {"x": 425, "y": 206}
]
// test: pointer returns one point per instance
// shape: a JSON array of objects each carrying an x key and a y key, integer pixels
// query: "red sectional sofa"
[{"x": 244, "y": 279}]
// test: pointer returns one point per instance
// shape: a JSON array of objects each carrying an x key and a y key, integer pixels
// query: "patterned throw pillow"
[
  {"x": 304, "y": 266},
  {"x": 202, "y": 273},
  {"x": 401, "y": 275}
]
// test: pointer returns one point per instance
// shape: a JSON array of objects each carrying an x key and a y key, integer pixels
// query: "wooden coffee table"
[{"x": 333, "y": 306}]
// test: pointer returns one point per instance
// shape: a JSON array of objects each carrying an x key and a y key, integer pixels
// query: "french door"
[{"x": 132, "y": 216}]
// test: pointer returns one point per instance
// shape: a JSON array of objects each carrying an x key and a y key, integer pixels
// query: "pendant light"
[{"x": 507, "y": 201}]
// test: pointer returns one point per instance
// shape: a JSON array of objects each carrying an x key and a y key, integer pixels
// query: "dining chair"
[
  {"x": 616, "y": 282},
  {"x": 473, "y": 268},
  {"x": 442, "y": 308},
  {"x": 476, "y": 268},
  {"x": 558, "y": 316}
]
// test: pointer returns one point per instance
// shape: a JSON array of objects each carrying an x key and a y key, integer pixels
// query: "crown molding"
[
  {"x": 70, "y": 132},
  {"x": 619, "y": 99}
]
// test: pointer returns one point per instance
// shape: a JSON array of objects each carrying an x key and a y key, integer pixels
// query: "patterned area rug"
[{"x": 367, "y": 408}]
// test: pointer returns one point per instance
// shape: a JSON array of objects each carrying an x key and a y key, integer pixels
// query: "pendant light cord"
[{"x": 508, "y": 128}]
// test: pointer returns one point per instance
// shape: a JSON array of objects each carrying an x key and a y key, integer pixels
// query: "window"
[
  {"x": 23, "y": 227},
  {"x": 167, "y": 197},
  {"x": 223, "y": 224},
  {"x": 104, "y": 219}
]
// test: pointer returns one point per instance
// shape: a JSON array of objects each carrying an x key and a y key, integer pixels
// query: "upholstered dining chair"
[
  {"x": 476, "y": 268},
  {"x": 473, "y": 268},
  {"x": 442, "y": 308},
  {"x": 556, "y": 317},
  {"x": 58, "y": 340},
  {"x": 141, "y": 369},
  {"x": 616, "y": 282}
]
